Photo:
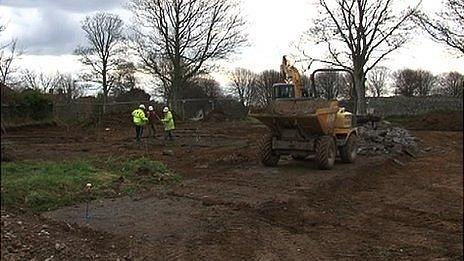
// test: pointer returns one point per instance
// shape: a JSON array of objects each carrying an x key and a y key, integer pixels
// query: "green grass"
[
  {"x": 42, "y": 186},
  {"x": 251, "y": 120}
]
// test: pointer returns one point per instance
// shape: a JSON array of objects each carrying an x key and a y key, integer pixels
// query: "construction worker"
[
  {"x": 168, "y": 122},
  {"x": 151, "y": 115},
  {"x": 139, "y": 120}
]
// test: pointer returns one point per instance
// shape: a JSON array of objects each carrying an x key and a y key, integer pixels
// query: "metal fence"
[
  {"x": 82, "y": 111},
  {"x": 17, "y": 115},
  {"x": 196, "y": 109}
]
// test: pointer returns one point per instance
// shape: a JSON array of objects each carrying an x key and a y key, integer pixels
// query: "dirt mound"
[
  {"x": 216, "y": 116},
  {"x": 114, "y": 119},
  {"x": 439, "y": 121}
]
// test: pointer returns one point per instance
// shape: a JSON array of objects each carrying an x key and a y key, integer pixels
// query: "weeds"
[
  {"x": 141, "y": 168},
  {"x": 43, "y": 186}
]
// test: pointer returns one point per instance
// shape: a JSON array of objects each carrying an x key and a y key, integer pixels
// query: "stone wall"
[{"x": 400, "y": 105}]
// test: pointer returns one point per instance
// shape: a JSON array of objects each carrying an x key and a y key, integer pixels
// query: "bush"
[
  {"x": 37, "y": 105},
  {"x": 133, "y": 94},
  {"x": 28, "y": 104}
]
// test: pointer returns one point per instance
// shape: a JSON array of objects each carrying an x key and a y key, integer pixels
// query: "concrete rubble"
[{"x": 385, "y": 140}]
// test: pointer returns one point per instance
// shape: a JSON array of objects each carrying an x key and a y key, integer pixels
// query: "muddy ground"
[{"x": 228, "y": 207}]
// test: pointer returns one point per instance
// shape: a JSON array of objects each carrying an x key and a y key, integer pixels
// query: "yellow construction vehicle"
[
  {"x": 300, "y": 126},
  {"x": 290, "y": 75}
]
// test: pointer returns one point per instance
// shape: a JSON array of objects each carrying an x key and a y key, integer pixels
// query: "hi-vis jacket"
[
  {"x": 168, "y": 121},
  {"x": 139, "y": 117}
]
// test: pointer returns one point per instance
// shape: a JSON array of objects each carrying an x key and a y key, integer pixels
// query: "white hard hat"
[
  {"x": 150, "y": 108},
  {"x": 141, "y": 106},
  {"x": 165, "y": 109}
]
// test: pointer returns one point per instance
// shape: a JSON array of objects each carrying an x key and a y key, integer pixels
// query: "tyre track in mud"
[
  {"x": 241, "y": 211},
  {"x": 337, "y": 207}
]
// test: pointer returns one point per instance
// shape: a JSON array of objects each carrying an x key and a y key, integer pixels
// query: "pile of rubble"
[{"x": 388, "y": 140}]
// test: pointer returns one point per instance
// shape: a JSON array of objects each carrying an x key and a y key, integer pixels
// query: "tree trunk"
[
  {"x": 105, "y": 92},
  {"x": 4, "y": 79},
  {"x": 360, "y": 92},
  {"x": 242, "y": 102},
  {"x": 174, "y": 93}
]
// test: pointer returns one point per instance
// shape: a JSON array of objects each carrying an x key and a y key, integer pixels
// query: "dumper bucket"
[{"x": 310, "y": 116}]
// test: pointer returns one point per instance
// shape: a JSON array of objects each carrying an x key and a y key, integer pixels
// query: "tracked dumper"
[{"x": 303, "y": 126}]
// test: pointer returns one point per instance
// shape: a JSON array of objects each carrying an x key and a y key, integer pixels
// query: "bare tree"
[
  {"x": 2, "y": 81},
  {"x": 38, "y": 81},
  {"x": 8, "y": 54},
  {"x": 210, "y": 87},
  {"x": 204, "y": 86},
  {"x": 358, "y": 34},
  {"x": 70, "y": 87},
  {"x": 377, "y": 81},
  {"x": 29, "y": 79},
  {"x": 162, "y": 88},
  {"x": 243, "y": 85},
  {"x": 451, "y": 84},
  {"x": 306, "y": 81},
  {"x": 124, "y": 78},
  {"x": 330, "y": 85},
  {"x": 425, "y": 82},
  {"x": 446, "y": 26},
  {"x": 404, "y": 82},
  {"x": 48, "y": 81},
  {"x": 264, "y": 82},
  {"x": 410, "y": 83},
  {"x": 3, "y": 45},
  {"x": 177, "y": 40},
  {"x": 104, "y": 32}
]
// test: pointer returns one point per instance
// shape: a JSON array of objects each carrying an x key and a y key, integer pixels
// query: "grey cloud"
[
  {"x": 59, "y": 30},
  {"x": 81, "y": 6},
  {"x": 56, "y": 34}
]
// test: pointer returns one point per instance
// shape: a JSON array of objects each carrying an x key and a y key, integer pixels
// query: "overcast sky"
[{"x": 49, "y": 31}]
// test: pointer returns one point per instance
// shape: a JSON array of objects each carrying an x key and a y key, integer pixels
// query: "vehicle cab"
[{"x": 286, "y": 91}]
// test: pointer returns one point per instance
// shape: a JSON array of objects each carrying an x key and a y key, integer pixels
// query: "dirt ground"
[
  {"x": 228, "y": 207},
  {"x": 438, "y": 121}
]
